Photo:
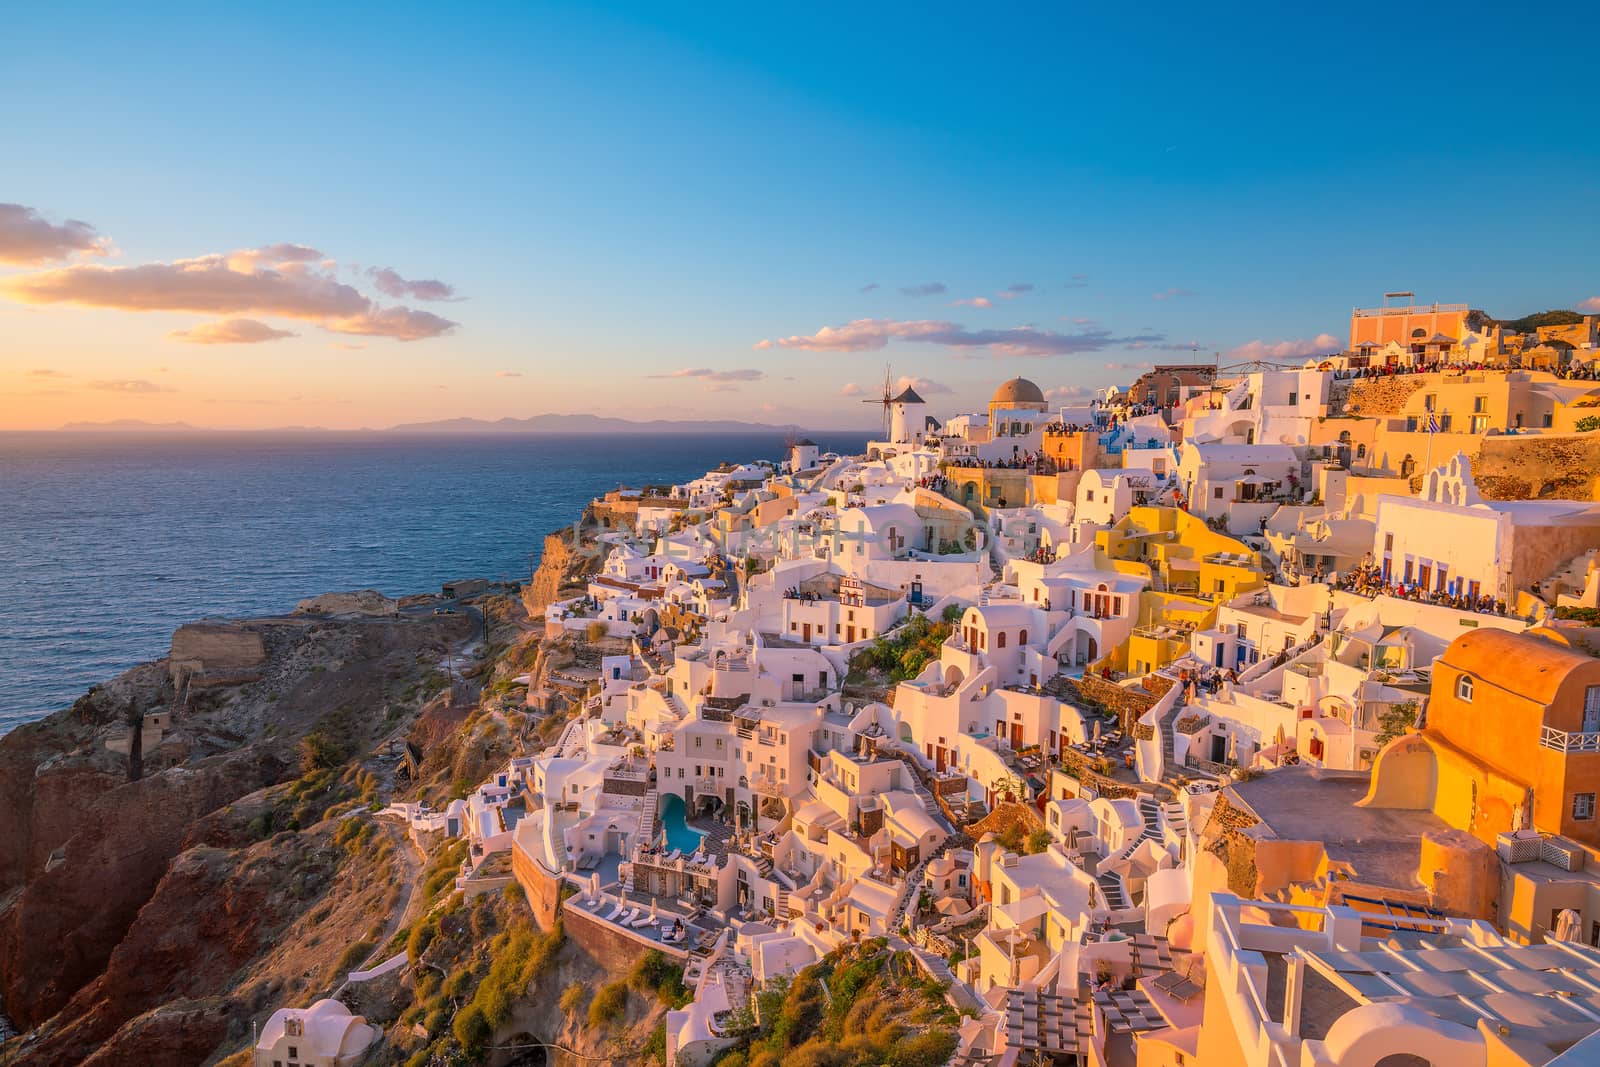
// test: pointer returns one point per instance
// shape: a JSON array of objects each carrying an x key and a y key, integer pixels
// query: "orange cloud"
[
  {"x": 1293, "y": 349},
  {"x": 399, "y": 323},
  {"x": 27, "y": 239},
  {"x": 277, "y": 280},
  {"x": 230, "y": 332}
]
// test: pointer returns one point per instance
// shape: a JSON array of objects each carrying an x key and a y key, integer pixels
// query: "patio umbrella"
[
  {"x": 594, "y": 886},
  {"x": 1568, "y": 925},
  {"x": 654, "y": 917},
  {"x": 1096, "y": 735}
]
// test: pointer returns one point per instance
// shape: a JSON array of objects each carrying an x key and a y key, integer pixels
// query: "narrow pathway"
[{"x": 401, "y": 915}]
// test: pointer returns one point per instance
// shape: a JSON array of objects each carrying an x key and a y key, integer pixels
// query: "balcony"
[
  {"x": 1566, "y": 741},
  {"x": 768, "y": 786}
]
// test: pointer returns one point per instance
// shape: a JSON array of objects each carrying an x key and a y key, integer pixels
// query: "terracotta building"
[{"x": 1511, "y": 740}]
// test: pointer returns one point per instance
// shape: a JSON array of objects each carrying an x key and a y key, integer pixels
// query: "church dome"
[{"x": 1018, "y": 391}]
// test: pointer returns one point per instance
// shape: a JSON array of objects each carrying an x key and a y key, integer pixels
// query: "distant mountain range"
[
  {"x": 574, "y": 424},
  {"x": 585, "y": 424},
  {"x": 129, "y": 424}
]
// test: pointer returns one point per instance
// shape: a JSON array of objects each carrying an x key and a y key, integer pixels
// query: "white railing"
[
  {"x": 1409, "y": 309},
  {"x": 1566, "y": 741}
]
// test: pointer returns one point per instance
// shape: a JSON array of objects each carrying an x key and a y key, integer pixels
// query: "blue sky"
[{"x": 620, "y": 195}]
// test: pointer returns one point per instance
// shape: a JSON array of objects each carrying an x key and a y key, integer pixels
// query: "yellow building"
[{"x": 1183, "y": 555}]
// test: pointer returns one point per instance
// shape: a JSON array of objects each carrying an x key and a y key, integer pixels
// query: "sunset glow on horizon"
[{"x": 599, "y": 213}]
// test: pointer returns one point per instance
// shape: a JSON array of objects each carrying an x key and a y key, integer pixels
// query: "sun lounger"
[
  {"x": 643, "y": 920},
  {"x": 625, "y": 918},
  {"x": 610, "y": 916}
]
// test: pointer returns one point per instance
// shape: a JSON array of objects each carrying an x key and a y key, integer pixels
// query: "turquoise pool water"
[{"x": 679, "y": 836}]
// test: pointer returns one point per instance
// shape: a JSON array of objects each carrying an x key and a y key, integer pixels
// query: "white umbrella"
[
  {"x": 594, "y": 887},
  {"x": 653, "y": 916},
  {"x": 1096, "y": 735},
  {"x": 1569, "y": 926}
]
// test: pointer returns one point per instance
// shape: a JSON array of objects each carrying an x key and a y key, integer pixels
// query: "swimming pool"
[{"x": 679, "y": 836}]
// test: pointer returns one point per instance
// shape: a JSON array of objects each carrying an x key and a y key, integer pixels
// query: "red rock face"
[
  {"x": 213, "y": 912},
  {"x": 61, "y": 929}
]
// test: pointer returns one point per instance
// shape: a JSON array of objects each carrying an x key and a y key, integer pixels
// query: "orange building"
[
  {"x": 1511, "y": 741},
  {"x": 1413, "y": 324},
  {"x": 1072, "y": 451}
]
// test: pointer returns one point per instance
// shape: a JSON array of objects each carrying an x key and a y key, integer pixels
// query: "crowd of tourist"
[{"x": 1367, "y": 580}]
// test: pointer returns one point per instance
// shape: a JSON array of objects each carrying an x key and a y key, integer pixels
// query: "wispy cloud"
[
  {"x": 743, "y": 374},
  {"x": 285, "y": 255},
  {"x": 230, "y": 332},
  {"x": 129, "y": 386},
  {"x": 46, "y": 372},
  {"x": 1171, "y": 294},
  {"x": 850, "y": 389},
  {"x": 869, "y": 287},
  {"x": 390, "y": 283},
  {"x": 1070, "y": 392},
  {"x": 1011, "y": 292},
  {"x": 1077, "y": 281},
  {"x": 1298, "y": 348},
  {"x": 283, "y": 280},
  {"x": 973, "y": 302},
  {"x": 28, "y": 239},
  {"x": 864, "y": 335},
  {"x": 924, "y": 386},
  {"x": 925, "y": 289},
  {"x": 1590, "y": 304},
  {"x": 508, "y": 374},
  {"x": 398, "y": 323}
]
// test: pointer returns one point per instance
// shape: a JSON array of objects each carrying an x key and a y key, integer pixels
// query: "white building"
[{"x": 323, "y": 1035}]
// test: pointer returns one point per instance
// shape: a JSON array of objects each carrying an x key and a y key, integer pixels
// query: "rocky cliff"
[{"x": 111, "y": 905}]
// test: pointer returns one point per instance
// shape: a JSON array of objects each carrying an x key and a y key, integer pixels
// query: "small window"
[
  {"x": 1464, "y": 689},
  {"x": 1000, "y": 639},
  {"x": 1583, "y": 806},
  {"x": 1217, "y": 493}
]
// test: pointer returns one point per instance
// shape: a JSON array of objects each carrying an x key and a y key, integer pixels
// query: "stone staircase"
[
  {"x": 647, "y": 821},
  {"x": 937, "y": 969},
  {"x": 1169, "y": 772},
  {"x": 1176, "y": 819},
  {"x": 1150, "y": 815},
  {"x": 1114, "y": 890},
  {"x": 911, "y": 888}
]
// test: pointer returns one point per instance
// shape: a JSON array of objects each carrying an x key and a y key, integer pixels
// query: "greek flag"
[{"x": 1433, "y": 423}]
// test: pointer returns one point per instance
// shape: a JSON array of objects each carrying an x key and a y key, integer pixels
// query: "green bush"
[
  {"x": 608, "y": 1005},
  {"x": 655, "y": 973},
  {"x": 1037, "y": 841},
  {"x": 472, "y": 1029},
  {"x": 1587, "y": 424},
  {"x": 354, "y": 955},
  {"x": 422, "y": 936},
  {"x": 928, "y": 1049},
  {"x": 322, "y": 750},
  {"x": 572, "y": 998},
  {"x": 655, "y": 1046}
]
